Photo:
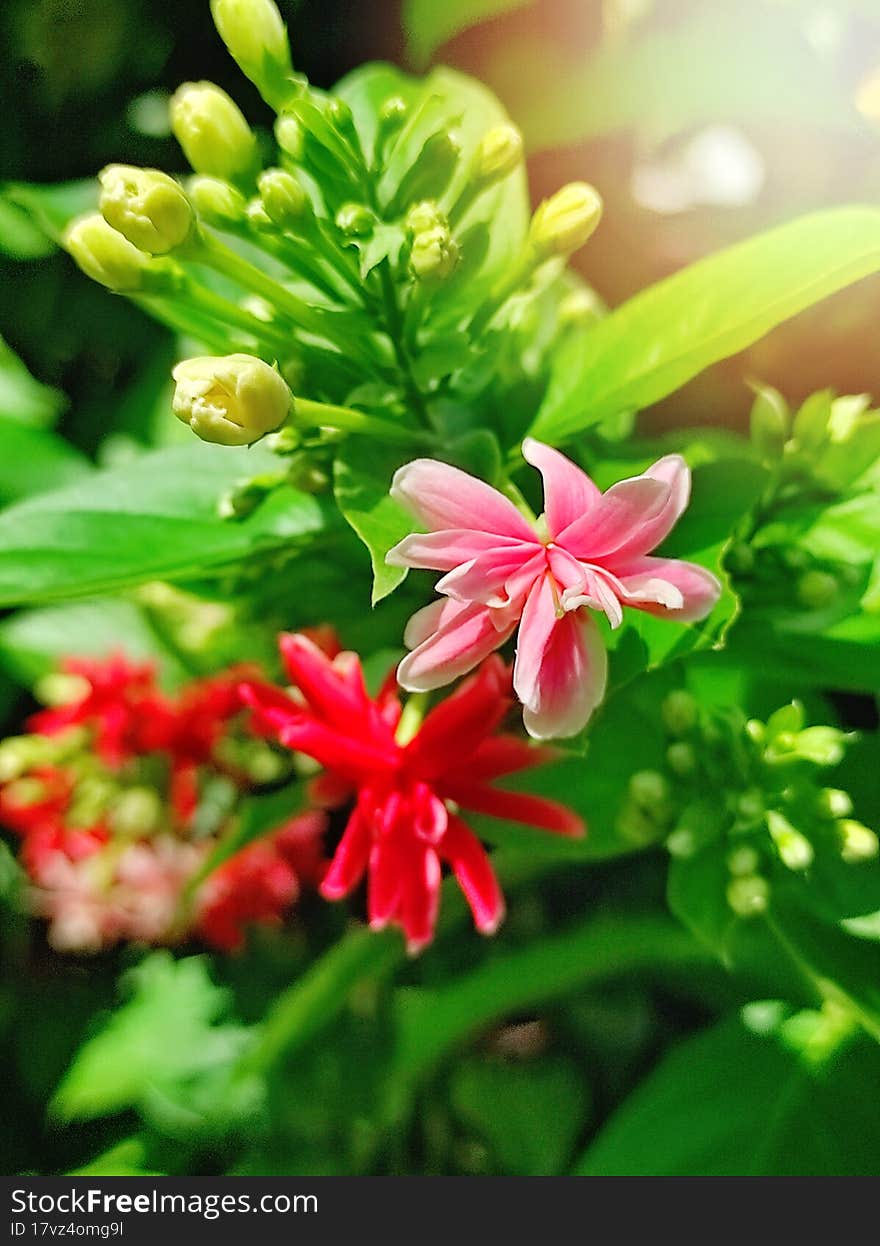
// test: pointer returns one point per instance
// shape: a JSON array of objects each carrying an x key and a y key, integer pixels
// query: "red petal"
[
  {"x": 420, "y": 897},
  {"x": 471, "y": 866},
  {"x": 457, "y": 726},
  {"x": 383, "y": 884},
  {"x": 349, "y": 860},
  {"x": 547, "y": 815},
  {"x": 506, "y": 754}
]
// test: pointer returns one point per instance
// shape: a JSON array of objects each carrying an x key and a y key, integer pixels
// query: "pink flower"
[{"x": 589, "y": 551}]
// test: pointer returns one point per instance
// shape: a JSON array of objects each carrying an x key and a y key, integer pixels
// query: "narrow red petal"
[
  {"x": 547, "y": 815},
  {"x": 472, "y": 868},
  {"x": 457, "y": 726},
  {"x": 506, "y": 754},
  {"x": 349, "y": 860}
]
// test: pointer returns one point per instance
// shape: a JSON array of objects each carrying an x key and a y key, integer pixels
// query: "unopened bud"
[
  {"x": 749, "y": 895},
  {"x": 750, "y": 805},
  {"x": 857, "y": 841},
  {"x": 424, "y": 216},
  {"x": 682, "y": 843},
  {"x": 213, "y": 133},
  {"x": 256, "y": 39},
  {"x": 564, "y": 222},
  {"x": 146, "y": 206},
  {"x": 61, "y": 688},
  {"x": 817, "y": 589},
  {"x": 824, "y": 746},
  {"x": 105, "y": 256},
  {"x": 355, "y": 220},
  {"x": 232, "y": 400},
  {"x": 649, "y": 789},
  {"x": 136, "y": 812},
  {"x": 579, "y": 308},
  {"x": 795, "y": 850},
  {"x": 834, "y": 802},
  {"x": 290, "y": 137},
  {"x": 393, "y": 113},
  {"x": 430, "y": 173},
  {"x": 217, "y": 203},
  {"x": 743, "y": 861},
  {"x": 679, "y": 712},
  {"x": 285, "y": 201},
  {"x": 681, "y": 759},
  {"x": 498, "y": 153},
  {"x": 434, "y": 255}
]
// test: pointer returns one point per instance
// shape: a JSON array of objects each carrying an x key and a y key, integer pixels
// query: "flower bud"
[
  {"x": 217, "y": 203},
  {"x": 817, "y": 589},
  {"x": 749, "y": 895},
  {"x": 795, "y": 850},
  {"x": 104, "y": 255},
  {"x": 750, "y": 805},
  {"x": 834, "y": 802},
  {"x": 649, "y": 789},
  {"x": 146, "y": 206},
  {"x": 857, "y": 841},
  {"x": 392, "y": 114},
  {"x": 214, "y": 135},
  {"x": 285, "y": 201},
  {"x": 579, "y": 308},
  {"x": 564, "y": 222},
  {"x": 434, "y": 255},
  {"x": 681, "y": 759},
  {"x": 290, "y": 137},
  {"x": 424, "y": 216},
  {"x": 679, "y": 712},
  {"x": 136, "y": 812},
  {"x": 823, "y": 746},
  {"x": 256, "y": 39},
  {"x": 498, "y": 153},
  {"x": 743, "y": 861},
  {"x": 355, "y": 220},
  {"x": 232, "y": 400}
]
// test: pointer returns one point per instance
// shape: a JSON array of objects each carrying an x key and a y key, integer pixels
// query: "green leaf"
[
  {"x": 20, "y": 238},
  {"x": 126, "y": 1159},
  {"x": 34, "y": 461},
  {"x": 164, "y": 1033},
  {"x": 428, "y": 24},
  {"x": 32, "y": 642},
  {"x": 529, "y": 1114},
  {"x": 658, "y": 340},
  {"x": 729, "y": 1102},
  {"x": 156, "y": 517},
  {"x": 362, "y": 477},
  {"x": 51, "y": 208},
  {"x": 22, "y": 397}
]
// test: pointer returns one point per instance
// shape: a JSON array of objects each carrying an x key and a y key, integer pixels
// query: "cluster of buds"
[
  {"x": 122, "y": 795},
  {"x": 826, "y": 452},
  {"x": 750, "y": 790},
  {"x": 327, "y": 262}
]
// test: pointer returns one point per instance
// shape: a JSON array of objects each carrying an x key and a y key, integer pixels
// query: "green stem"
[
  {"x": 216, "y": 307},
  {"x": 226, "y": 261},
  {"x": 311, "y": 414}
]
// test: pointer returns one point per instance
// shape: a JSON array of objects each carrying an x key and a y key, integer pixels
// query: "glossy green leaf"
[
  {"x": 51, "y": 207},
  {"x": 22, "y": 397},
  {"x": 729, "y": 1102},
  {"x": 34, "y": 460},
  {"x": 362, "y": 477},
  {"x": 658, "y": 340},
  {"x": 166, "y": 1031},
  {"x": 155, "y": 518}
]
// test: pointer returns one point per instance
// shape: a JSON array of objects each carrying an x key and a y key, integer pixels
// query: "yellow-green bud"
[
  {"x": 61, "y": 688},
  {"x": 580, "y": 307},
  {"x": 104, "y": 255},
  {"x": 649, "y": 789},
  {"x": 290, "y": 137},
  {"x": 216, "y": 202},
  {"x": 434, "y": 255},
  {"x": 424, "y": 216},
  {"x": 682, "y": 843},
  {"x": 750, "y": 805},
  {"x": 136, "y": 812},
  {"x": 748, "y": 895},
  {"x": 834, "y": 802},
  {"x": 393, "y": 112},
  {"x": 679, "y": 712},
  {"x": 146, "y": 206},
  {"x": 816, "y": 589},
  {"x": 355, "y": 220},
  {"x": 232, "y": 400},
  {"x": 256, "y": 39},
  {"x": 795, "y": 850},
  {"x": 565, "y": 221},
  {"x": 256, "y": 215},
  {"x": 770, "y": 420},
  {"x": 823, "y": 746},
  {"x": 681, "y": 759},
  {"x": 740, "y": 558},
  {"x": 284, "y": 199},
  {"x": 743, "y": 861},
  {"x": 212, "y": 131},
  {"x": 857, "y": 841},
  {"x": 498, "y": 153}
]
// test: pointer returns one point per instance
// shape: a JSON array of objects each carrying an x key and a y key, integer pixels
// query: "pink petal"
[
  {"x": 463, "y": 636},
  {"x": 568, "y": 492},
  {"x": 483, "y": 579},
  {"x": 561, "y": 667},
  {"x": 349, "y": 860},
  {"x": 444, "y": 550},
  {"x": 669, "y": 587},
  {"x": 446, "y": 497},
  {"x": 631, "y": 511},
  {"x": 471, "y": 866}
]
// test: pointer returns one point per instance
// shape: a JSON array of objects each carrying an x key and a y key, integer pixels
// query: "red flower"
[
  {"x": 122, "y": 704},
  {"x": 259, "y": 883},
  {"x": 405, "y": 826}
]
